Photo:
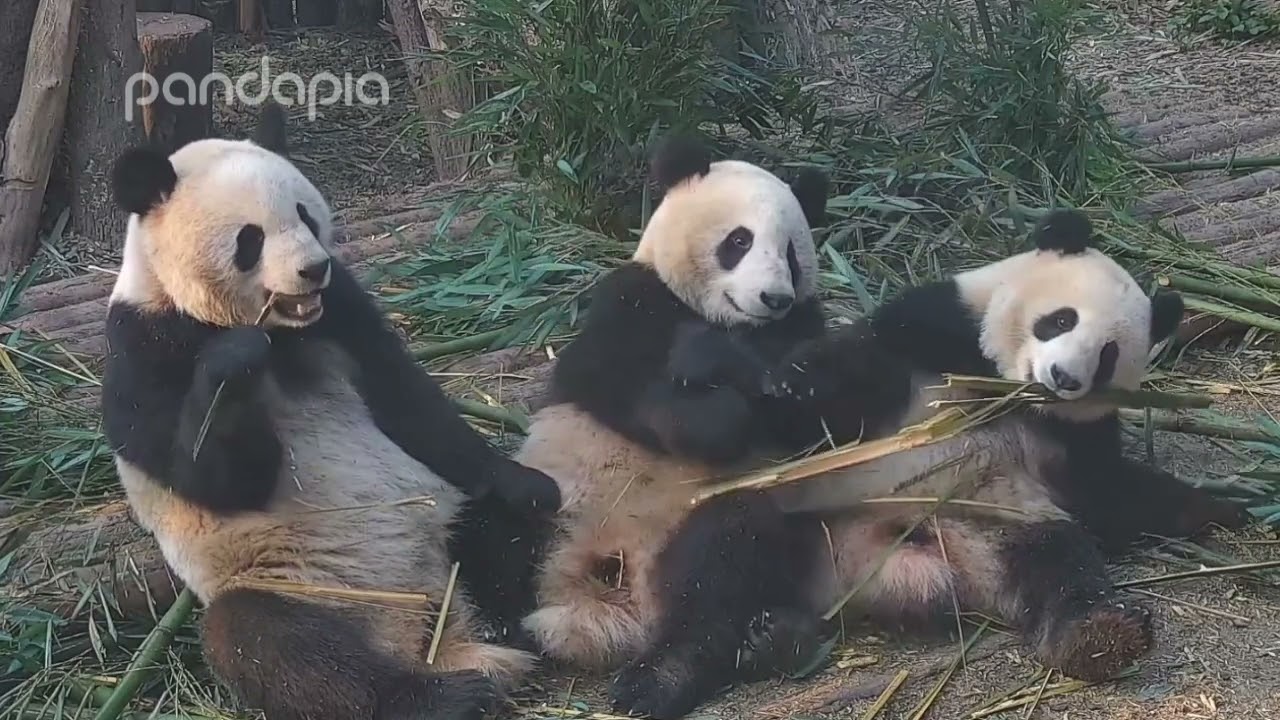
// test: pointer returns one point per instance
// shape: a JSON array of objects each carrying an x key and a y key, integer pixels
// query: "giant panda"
[
  {"x": 1045, "y": 492},
  {"x": 637, "y": 409},
  {"x": 275, "y": 435}
]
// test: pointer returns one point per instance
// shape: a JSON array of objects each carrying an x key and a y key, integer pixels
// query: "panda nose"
[
  {"x": 315, "y": 272},
  {"x": 1063, "y": 380},
  {"x": 776, "y": 301}
]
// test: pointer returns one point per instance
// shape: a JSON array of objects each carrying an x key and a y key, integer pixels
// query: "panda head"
[
  {"x": 731, "y": 239},
  {"x": 221, "y": 228},
  {"x": 1067, "y": 316}
]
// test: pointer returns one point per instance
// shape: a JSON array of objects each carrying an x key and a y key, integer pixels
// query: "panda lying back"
[{"x": 331, "y": 459}]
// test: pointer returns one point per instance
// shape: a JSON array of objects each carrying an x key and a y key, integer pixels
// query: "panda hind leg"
[
  {"x": 731, "y": 575},
  {"x": 296, "y": 660},
  {"x": 1055, "y": 586}
]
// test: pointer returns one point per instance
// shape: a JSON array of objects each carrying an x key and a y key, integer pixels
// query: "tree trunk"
[
  {"x": 16, "y": 17},
  {"x": 792, "y": 32},
  {"x": 443, "y": 93},
  {"x": 279, "y": 14},
  {"x": 100, "y": 118},
  {"x": 173, "y": 44},
  {"x": 31, "y": 140},
  {"x": 155, "y": 6},
  {"x": 316, "y": 13},
  {"x": 251, "y": 19},
  {"x": 359, "y": 13},
  {"x": 221, "y": 12}
]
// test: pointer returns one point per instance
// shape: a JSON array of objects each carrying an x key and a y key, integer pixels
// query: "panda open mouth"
[{"x": 298, "y": 308}]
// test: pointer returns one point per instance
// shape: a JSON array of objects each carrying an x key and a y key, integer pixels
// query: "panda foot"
[
  {"x": 658, "y": 687},
  {"x": 461, "y": 695},
  {"x": 781, "y": 642},
  {"x": 1102, "y": 643}
]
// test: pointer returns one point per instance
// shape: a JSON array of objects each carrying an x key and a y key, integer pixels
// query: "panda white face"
[
  {"x": 1072, "y": 320},
  {"x": 225, "y": 231},
  {"x": 734, "y": 242}
]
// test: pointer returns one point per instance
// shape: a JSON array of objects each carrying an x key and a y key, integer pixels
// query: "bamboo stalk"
[
  {"x": 432, "y": 351},
  {"x": 1244, "y": 317},
  {"x": 1226, "y": 164},
  {"x": 1217, "y": 290},
  {"x": 885, "y": 696},
  {"x": 946, "y": 424},
  {"x": 493, "y": 413},
  {"x": 388, "y": 598},
  {"x": 145, "y": 659},
  {"x": 1261, "y": 278},
  {"x": 1191, "y": 425},
  {"x": 1034, "y": 392},
  {"x": 1203, "y": 572}
]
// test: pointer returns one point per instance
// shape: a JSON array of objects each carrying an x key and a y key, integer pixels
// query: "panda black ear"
[
  {"x": 1066, "y": 231},
  {"x": 810, "y": 188},
  {"x": 142, "y": 179},
  {"x": 677, "y": 158},
  {"x": 271, "y": 132},
  {"x": 1166, "y": 314}
]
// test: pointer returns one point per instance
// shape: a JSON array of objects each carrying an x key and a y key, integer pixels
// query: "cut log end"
[{"x": 176, "y": 44}]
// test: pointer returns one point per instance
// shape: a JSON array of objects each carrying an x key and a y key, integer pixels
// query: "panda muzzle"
[{"x": 298, "y": 307}]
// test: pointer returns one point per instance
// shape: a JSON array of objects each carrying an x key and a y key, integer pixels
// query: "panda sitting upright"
[
  {"x": 1043, "y": 491},
  {"x": 635, "y": 413},
  {"x": 272, "y": 432}
]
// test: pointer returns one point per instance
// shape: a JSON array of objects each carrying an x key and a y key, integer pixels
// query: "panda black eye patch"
[
  {"x": 793, "y": 263},
  {"x": 307, "y": 219},
  {"x": 734, "y": 247},
  {"x": 248, "y": 247},
  {"x": 1055, "y": 323}
]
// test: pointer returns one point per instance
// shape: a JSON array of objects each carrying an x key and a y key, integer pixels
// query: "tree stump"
[
  {"x": 32, "y": 135},
  {"x": 442, "y": 91},
  {"x": 16, "y": 16},
  {"x": 100, "y": 118},
  {"x": 173, "y": 44}
]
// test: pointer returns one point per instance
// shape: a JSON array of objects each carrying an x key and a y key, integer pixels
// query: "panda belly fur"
[
  {"x": 597, "y": 601},
  {"x": 351, "y": 511}
]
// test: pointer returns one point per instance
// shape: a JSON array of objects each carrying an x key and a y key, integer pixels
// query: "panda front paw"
[
  {"x": 525, "y": 489},
  {"x": 235, "y": 355},
  {"x": 706, "y": 356}
]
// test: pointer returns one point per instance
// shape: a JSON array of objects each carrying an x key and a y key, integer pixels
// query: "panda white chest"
[{"x": 336, "y": 457}]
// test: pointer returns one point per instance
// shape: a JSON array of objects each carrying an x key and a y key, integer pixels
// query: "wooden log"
[
  {"x": 100, "y": 118},
  {"x": 442, "y": 92},
  {"x": 173, "y": 44},
  {"x": 16, "y": 17},
  {"x": 31, "y": 141},
  {"x": 279, "y": 14},
  {"x": 317, "y": 13}
]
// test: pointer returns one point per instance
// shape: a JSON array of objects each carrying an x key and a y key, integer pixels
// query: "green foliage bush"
[
  {"x": 1226, "y": 19},
  {"x": 581, "y": 87}
]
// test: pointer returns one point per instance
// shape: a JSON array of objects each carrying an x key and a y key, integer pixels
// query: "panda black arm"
[
  {"x": 845, "y": 385},
  {"x": 161, "y": 375},
  {"x": 618, "y": 369},
  {"x": 408, "y": 405},
  {"x": 930, "y": 326}
]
